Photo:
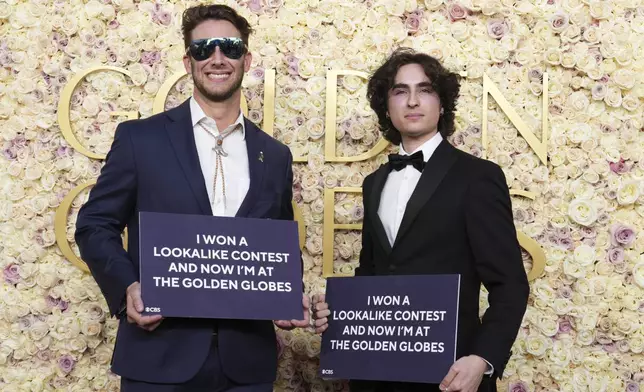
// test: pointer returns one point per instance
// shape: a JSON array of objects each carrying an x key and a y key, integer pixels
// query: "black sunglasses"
[{"x": 231, "y": 47}]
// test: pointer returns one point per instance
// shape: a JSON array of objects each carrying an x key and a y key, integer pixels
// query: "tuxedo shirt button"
[{"x": 392, "y": 267}]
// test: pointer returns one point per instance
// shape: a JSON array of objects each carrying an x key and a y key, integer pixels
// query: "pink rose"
[
  {"x": 165, "y": 18},
  {"x": 458, "y": 140},
  {"x": 150, "y": 58},
  {"x": 610, "y": 347},
  {"x": 258, "y": 73},
  {"x": 44, "y": 355},
  {"x": 535, "y": 75},
  {"x": 565, "y": 292},
  {"x": 314, "y": 34},
  {"x": 620, "y": 167},
  {"x": 255, "y": 6},
  {"x": 25, "y": 322},
  {"x": 602, "y": 339},
  {"x": 555, "y": 110},
  {"x": 66, "y": 363},
  {"x": 474, "y": 130},
  {"x": 456, "y": 12},
  {"x": 565, "y": 326},
  {"x": 603, "y": 218},
  {"x": 559, "y": 21},
  {"x": 12, "y": 274},
  {"x": 476, "y": 151},
  {"x": 497, "y": 28},
  {"x": 357, "y": 214},
  {"x": 519, "y": 386},
  {"x": 621, "y": 235},
  {"x": 412, "y": 23},
  {"x": 598, "y": 92},
  {"x": 588, "y": 232},
  {"x": 520, "y": 215},
  {"x": 615, "y": 255},
  {"x": 274, "y": 4},
  {"x": 565, "y": 243}
]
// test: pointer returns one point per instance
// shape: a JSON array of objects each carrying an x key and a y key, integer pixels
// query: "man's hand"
[
  {"x": 289, "y": 325},
  {"x": 465, "y": 375},
  {"x": 135, "y": 307},
  {"x": 320, "y": 313}
]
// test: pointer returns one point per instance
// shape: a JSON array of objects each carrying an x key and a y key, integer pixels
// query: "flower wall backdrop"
[{"x": 584, "y": 329}]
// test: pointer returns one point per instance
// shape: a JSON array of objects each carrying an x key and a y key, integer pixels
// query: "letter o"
[{"x": 64, "y": 121}]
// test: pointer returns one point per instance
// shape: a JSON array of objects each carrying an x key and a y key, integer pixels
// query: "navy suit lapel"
[
  {"x": 257, "y": 161},
  {"x": 182, "y": 138}
]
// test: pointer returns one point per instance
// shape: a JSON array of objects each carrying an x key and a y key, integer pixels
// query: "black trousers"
[{"x": 210, "y": 378}]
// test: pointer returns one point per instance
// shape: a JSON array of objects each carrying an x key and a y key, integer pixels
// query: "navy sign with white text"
[
  {"x": 391, "y": 328},
  {"x": 218, "y": 267}
]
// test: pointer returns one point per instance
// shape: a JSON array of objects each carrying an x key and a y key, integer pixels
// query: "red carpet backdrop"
[{"x": 552, "y": 91}]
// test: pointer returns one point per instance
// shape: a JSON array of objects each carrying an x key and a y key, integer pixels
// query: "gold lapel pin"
[{"x": 261, "y": 156}]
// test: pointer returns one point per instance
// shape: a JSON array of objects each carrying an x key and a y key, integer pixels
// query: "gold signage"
[
  {"x": 539, "y": 147},
  {"x": 331, "y": 118},
  {"x": 329, "y": 228}
]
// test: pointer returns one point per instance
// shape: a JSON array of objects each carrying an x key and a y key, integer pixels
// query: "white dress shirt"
[
  {"x": 399, "y": 187},
  {"x": 235, "y": 165},
  {"x": 397, "y": 191}
]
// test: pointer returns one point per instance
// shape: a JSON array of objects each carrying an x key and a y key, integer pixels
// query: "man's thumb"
[{"x": 138, "y": 304}]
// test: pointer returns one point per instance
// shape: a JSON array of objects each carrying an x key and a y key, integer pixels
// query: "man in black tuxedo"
[{"x": 436, "y": 210}]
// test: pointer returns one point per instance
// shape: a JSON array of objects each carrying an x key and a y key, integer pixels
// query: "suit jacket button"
[{"x": 392, "y": 267}]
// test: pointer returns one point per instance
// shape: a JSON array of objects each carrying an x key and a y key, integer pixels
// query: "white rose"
[
  {"x": 613, "y": 97},
  {"x": 628, "y": 192},
  {"x": 624, "y": 78},
  {"x": 537, "y": 345},
  {"x": 582, "y": 212},
  {"x": 585, "y": 255}
]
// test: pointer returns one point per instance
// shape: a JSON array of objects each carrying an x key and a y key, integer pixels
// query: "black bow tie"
[{"x": 398, "y": 162}]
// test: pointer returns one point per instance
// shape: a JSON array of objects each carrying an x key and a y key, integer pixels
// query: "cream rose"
[
  {"x": 537, "y": 345},
  {"x": 628, "y": 192},
  {"x": 582, "y": 212}
]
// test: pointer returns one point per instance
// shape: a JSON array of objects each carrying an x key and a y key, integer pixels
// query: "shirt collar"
[
  {"x": 427, "y": 148},
  {"x": 197, "y": 114}
]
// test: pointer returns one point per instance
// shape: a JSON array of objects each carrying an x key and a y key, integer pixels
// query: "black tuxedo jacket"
[{"x": 457, "y": 221}]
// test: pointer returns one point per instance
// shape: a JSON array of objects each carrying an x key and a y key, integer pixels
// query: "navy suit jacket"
[{"x": 153, "y": 165}]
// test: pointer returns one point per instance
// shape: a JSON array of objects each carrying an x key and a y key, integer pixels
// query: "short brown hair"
[
  {"x": 193, "y": 16},
  {"x": 445, "y": 83}
]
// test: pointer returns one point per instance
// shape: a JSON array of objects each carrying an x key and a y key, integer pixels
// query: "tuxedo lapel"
[
  {"x": 435, "y": 170},
  {"x": 257, "y": 162},
  {"x": 182, "y": 138},
  {"x": 379, "y": 180}
]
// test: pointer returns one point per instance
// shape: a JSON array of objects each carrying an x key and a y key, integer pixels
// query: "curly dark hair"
[
  {"x": 445, "y": 83},
  {"x": 193, "y": 16}
]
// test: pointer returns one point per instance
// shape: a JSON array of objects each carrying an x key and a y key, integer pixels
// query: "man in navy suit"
[{"x": 203, "y": 157}]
